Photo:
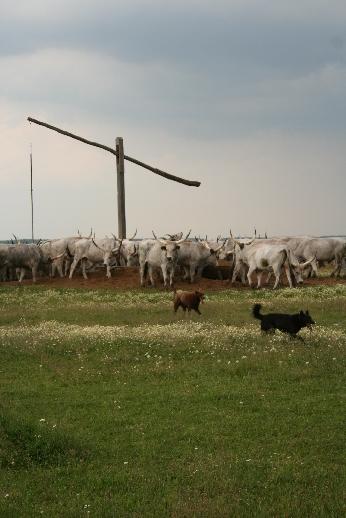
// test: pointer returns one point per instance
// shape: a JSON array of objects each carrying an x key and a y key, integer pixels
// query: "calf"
[{"x": 188, "y": 300}]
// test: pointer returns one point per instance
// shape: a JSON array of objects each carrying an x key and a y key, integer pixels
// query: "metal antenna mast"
[{"x": 32, "y": 197}]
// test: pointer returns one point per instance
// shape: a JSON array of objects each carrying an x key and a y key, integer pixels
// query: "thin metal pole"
[{"x": 32, "y": 197}]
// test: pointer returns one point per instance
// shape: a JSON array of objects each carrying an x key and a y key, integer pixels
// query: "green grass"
[{"x": 111, "y": 405}]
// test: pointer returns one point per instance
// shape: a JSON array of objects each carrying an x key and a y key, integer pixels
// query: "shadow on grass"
[{"x": 24, "y": 444}]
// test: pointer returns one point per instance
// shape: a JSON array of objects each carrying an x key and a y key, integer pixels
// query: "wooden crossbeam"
[{"x": 168, "y": 176}]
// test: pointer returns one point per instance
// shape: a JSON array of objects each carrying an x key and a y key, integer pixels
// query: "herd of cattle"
[{"x": 172, "y": 255}]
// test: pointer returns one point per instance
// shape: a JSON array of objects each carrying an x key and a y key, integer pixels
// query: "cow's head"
[
  {"x": 228, "y": 251},
  {"x": 299, "y": 268},
  {"x": 212, "y": 251},
  {"x": 132, "y": 256},
  {"x": 110, "y": 248},
  {"x": 170, "y": 247}
]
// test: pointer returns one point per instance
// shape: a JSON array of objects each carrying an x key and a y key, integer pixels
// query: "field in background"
[{"x": 111, "y": 405}]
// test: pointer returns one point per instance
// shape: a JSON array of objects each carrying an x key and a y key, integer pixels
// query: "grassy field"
[{"x": 111, "y": 405}]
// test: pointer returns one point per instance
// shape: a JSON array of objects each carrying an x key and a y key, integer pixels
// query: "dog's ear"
[
  {"x": 301, "y": 312},
  {"x": 307, "y": 312}
]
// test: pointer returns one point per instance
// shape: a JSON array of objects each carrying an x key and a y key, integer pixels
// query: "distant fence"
[{"x": 10, "y": 241}]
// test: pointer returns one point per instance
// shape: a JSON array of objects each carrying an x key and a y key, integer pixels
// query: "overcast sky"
[{"x": 247, "y": 96}]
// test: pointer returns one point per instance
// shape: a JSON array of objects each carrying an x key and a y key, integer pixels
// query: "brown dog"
[{"x": 188, "y": 300}]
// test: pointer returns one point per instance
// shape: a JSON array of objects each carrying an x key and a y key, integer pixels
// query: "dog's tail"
[{"x": 256, "y": 311}]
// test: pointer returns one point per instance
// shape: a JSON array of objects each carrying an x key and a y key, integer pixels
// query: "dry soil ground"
[{"x": 128, "y": 278}]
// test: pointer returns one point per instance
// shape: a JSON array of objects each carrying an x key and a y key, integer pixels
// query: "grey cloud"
[
  {"x": 193, "y": 62},
  {"x": 187, "y": 36}
]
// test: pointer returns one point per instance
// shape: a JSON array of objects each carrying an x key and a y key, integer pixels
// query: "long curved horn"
[
  {"x": 249, "y": 242},
  {"x": 230, "y": 233},
  {"x": 91, "y": 233},
  {"x": 15, "y": 237},
  {"x": 134, "y": 235},
  {"x": 173, "y": 237},
  {"x": 41, "y": 243},
  {"x": 162, "y": 241},
  {"x": 97, "y": 246},
  {"x": 117, "y": 249},
  {"x": 78, "y": 232},
  {"x": 58, "y": 256},
  {"x": 304, "y": 265},
  {"x": 219, "y": 247},
  {"x": 214, "y": 250},
  {"x": 185, "y": 238}
]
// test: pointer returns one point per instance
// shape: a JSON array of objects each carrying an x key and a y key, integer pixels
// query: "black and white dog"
[{"x": 290, "y": 324}]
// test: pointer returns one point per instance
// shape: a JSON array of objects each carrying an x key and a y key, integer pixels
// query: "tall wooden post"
[{"x": 119, "y": 145}]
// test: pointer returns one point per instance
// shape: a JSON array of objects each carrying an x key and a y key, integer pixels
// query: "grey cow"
[
  {"x": 161, "y": 255},
  {"x": 95, "y": 251},
  {"x": 194, "y": 256},
  {"x": 23, "y": 256}
]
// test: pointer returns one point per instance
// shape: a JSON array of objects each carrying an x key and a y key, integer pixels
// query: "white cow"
[
  {"x": 95, "y": 251},
  {"x": 162, "y": 255},
  {"x": 55, "y": 252},
  {"x": 143, "y": 250},
  {"x": 261, "y": 256},
  {"x": 129, "y": 251},
  {"x": 194, "y": 256},
  {"x": 324, "y": 250}
]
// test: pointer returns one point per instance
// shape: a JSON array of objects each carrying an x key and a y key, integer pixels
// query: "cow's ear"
[{"x": 163, "y": 247}]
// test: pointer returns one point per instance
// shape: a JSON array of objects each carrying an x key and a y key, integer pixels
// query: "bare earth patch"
[{"x": 128, "y": 278}]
